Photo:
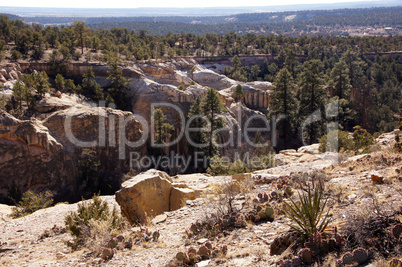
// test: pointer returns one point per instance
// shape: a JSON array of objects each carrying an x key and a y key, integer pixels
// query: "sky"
[{"x": 159, "y": 3}]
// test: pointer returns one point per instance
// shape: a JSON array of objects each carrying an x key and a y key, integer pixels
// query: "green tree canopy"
[
  {"x": 212, "y": 107},
  {"x": 312, "y": 97},
  {"x": 284, "y": 102},
  {"x": 90, "y": 88}
]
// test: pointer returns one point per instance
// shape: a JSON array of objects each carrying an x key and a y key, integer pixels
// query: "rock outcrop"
[
  {"x": 84, "y": 126},
  {"x": 30, "y": 157},
  {"x": 149, "y": 194},
  {"x": 73, "y": 123},
  {"x": 212, "y": 79},
  {"x": 387, "y": 140},
  {"x": 303, "y": 154},
  {"x": 51, "y": 103},
  {"x": 10, "y": 72},
  {"x": 40, "y": 155}
]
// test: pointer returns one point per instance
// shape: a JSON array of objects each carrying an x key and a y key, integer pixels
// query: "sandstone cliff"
[{"x": 43, "y": 153}]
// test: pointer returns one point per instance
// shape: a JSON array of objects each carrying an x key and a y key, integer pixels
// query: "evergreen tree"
[
  {"x": 237, "y": 71},
  {"x": 212, "y": 107},
  {"x": 162, "y": 128},
  {"x": 80, "y": 30},
  {"x": 291, "y": 63},
  {"x": 193, "y": 69},
  {"x": 18, "y": 93},
  {"x": 60, "y": 82},
  {"x": 254, "y": 72},
  {"x": 38, "y": 83},
  {"x": 360, "y": 88},
  {"x": 119, "y": 84},
  {"x": 340, "y": 80},
  {"x": 284, "y": 102},
  {"x": 312, "y": 98},
  {"x": 238, "y": 93},
  {"x": 70, "y": 86},
  {"x": 90, "y": 88},
  {"x": 197, "y": 122}
]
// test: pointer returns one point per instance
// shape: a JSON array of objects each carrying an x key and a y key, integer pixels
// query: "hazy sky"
[{"x": 158, "y": 3}]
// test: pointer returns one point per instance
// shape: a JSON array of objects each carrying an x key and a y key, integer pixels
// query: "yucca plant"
[{"x": 308, "y": 215}]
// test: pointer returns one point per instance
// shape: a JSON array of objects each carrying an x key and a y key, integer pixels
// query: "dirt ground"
[{"x": 349, "y": 187}]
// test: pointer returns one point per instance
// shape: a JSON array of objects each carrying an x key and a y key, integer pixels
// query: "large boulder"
[
  {"x": 179, "y": 196},
  {"x": 149, "y": 194}
]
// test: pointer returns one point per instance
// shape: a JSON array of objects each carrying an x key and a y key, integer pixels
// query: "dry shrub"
[
  {"x": 370, "y": 227},
  {"x": 219, "y": 205},
  {"x": 93, "y": 223},
  {"x": 307, "y": 180}
]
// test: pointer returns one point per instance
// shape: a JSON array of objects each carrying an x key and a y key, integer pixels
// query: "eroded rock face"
[
  {"x": 52, "y": 142},
  {"x": 10, "y": 72},
  {"x": 30, "y": 157},
  {"x": 79, "y": 126},
  {"x": 43, "y": 154},
  {"x": 149, "y": 194}
]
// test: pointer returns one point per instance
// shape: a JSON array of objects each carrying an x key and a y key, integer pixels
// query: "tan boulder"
[
  {"x": 179, "y": 196},
  {"x": 149, "y": 194},
  {"x": 62, "y": 101}
]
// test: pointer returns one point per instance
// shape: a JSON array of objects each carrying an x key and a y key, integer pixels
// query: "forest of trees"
[
  {"x": 356, "y": 70},
  {"x": 291, "y": 23}
]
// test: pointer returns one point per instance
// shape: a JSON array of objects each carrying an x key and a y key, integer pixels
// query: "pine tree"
[
  {"x": 340, "y": 80},
  {"x": 162, "y": 128},
  {"x": 90, "y": 88},
  {"x": 254, "y": 72},
  {"x": 60, "y": 82},
  {"x": 193, "y": 69},
  {"x": 236, "y": 65},
  {"x": 212, "y": 107},
  {"x": 70, "y": 86},
  {"x": 30, "y": 89},
  {"x": 40, "y": 83},
  {"x": 284, "y": 102},
  {"x": 119, "y": 84},
  {"x": 312, "y": 97},
  {"x": 197, "y": 122},
  {"x": 238, "y": 93},
  {"x": 18, "y": 93},
  {"x": 291, "y": 62},
  {"x": 81, "y": 30}
]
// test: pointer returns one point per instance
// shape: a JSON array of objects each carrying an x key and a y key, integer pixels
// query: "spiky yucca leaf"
[{"x": 308, "y": 216}]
